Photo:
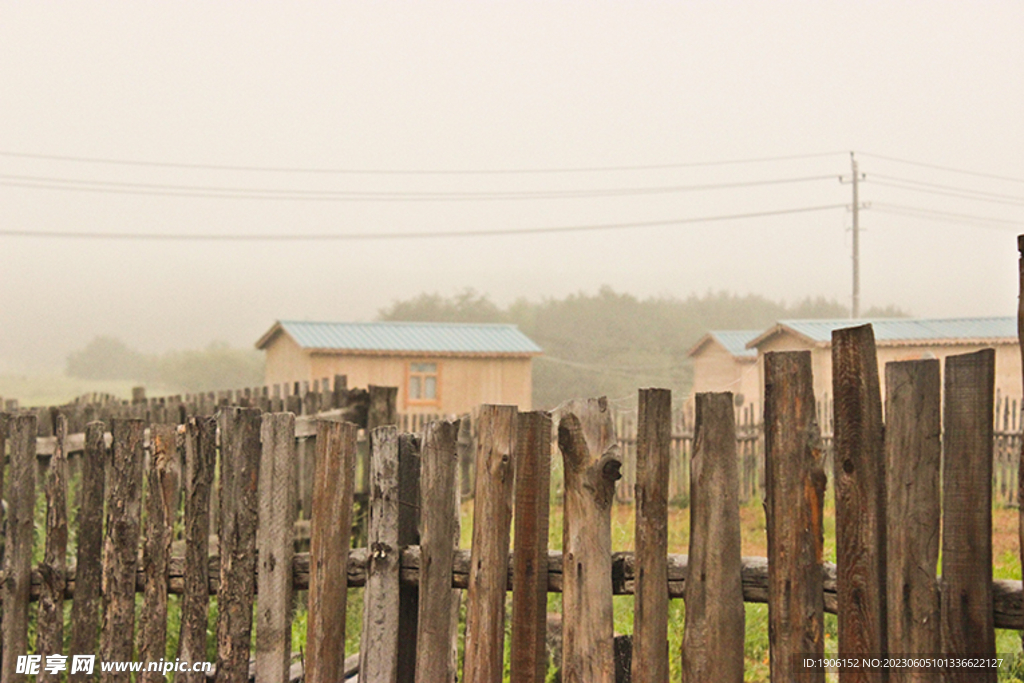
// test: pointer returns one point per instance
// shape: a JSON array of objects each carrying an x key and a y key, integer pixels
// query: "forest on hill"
[{"x": 611, "y": 343}]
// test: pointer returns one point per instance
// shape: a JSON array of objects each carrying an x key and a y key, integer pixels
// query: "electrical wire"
[
  {"x": 255, "y": 237},
  {"x": 942, "y": 168},
  {"x": 365, "y": 171},
  {"x": 944, "y": 190},
  {"x": 946, "y": 216},
  {"x": 151, "y": 189}
]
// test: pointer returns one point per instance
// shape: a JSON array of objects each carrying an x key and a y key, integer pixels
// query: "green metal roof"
[
  {"x": 904, "y": 329},
  {"x": 458, "y": 338}
]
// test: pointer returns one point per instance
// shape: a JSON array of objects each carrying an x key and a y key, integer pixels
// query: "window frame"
[{"x": 436, "y": 400}]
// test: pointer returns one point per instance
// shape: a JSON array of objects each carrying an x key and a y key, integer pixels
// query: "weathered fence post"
[
  {"x": 1020, "y": 341},
  {"x": 276, "y": 541},
  {"x": 200, "y": 461},
  {"x": 239, "y": 482},
  {"x": 330, "y": 532},
  {"x": 966, "y": 604},
  {"x": 160, "y": 497},
  {"x": 913, "y": 453},
  {"x": 408, "y": 534},
  {"x": 530, "y": 561},
  {"x": 586, "y": 438},
  {"x": 714, "y": 633},
  {"x": 378, "y": 651},
  {"x": 21, "y": 498},
  {"x": 492, "y": 522},
  {"x": 650, "y": 616},
  {"x": 50, "y": 622},
  {"x": 85, "y": 614},
  {"x": 121, "y": 544},
  {"x": 795, "y": 489},
  {"x": 437, "y": 551},
  {"x": 859, "y": 447}
]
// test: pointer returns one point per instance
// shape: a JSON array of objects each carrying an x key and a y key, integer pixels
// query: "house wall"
[
  {"x": 464, "y": 383},
  {"x": 715, "y": 369},
  {"x": 1008, "y": 362}
]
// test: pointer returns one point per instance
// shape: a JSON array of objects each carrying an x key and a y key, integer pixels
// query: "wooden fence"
[{"x": 157, "y": 476}]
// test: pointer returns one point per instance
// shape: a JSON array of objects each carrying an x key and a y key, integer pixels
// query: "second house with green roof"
[{"x": 448, "y": 368}]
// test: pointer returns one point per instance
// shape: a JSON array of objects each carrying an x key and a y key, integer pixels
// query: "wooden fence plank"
[
  {"x": 1020, "y": 449},
  {"x": 50, "y": 619},
  {"x": 530, "y": 572},
  {"x": 492, "y": 524},
  {"x": 859, "y": 456},
  {"x": 200, "y": 463},
  {"x": 330, "y": 533},
  {"x": 650, "y": 616},
  {"x": 913, "y": 453},
  {"x": 408, "y": 534},
  {"x": 795, "y": 488},
  {"x": 966, "y": 604},
  {"x": 21, "y": 498},
  {"x": 120, "y": 545},
  {"x": 85, "y": 613},
  {"x": 586, "y": 438},
  {"x": 714, "y": 632},
  {"x": 378, "y": 652},
  {"x": 439, "y": 514},
  {"x": 240, "y": 453},
  {"x": 161, "y": 493},
  {"x": 276, "y": 547}
]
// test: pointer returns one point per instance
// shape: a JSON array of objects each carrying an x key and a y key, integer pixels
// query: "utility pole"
[{"x": 855, "y": 307}]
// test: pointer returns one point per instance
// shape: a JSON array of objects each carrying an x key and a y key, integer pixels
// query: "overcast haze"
[{"x": 495, "y": 86}]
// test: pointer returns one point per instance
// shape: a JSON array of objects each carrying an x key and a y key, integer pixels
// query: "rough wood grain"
[
  {"x": 85, "y": 614},
  {"x": 913, "y": 453},
  {"x": 240, "y": 453},
  {"x": 1020, "y": 342},
  {"x": 408, "y": 535},
  {"x": 50, "y": 619},
  {"x": 586, "y": 439},
  {"x": 120, "y": 545},
  {"x": 859, "y": 456},
  {"x": 650, "y": 616},
  {"x": 160, "y": 496},
  {"x": 966, "y": 604},
  {"x": 378, "y": 652},
  {"x": 21, "y": 498},
  {"x": 439, "y": 514},
  {"x": 492, "y": 524},
  {"x": 714, "y": 631},
  {"x": 330, "y": 533},
  {"x": 530, "y": 571},
  {"x": 277, "y": 494},
  {"x": 200, "y": 461},
  {"x": 795, "y": 488}
]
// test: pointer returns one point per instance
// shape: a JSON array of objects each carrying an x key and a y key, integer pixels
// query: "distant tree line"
[
  {"x": 611, "y": 343},
  {"x": 218, "y": 366}
]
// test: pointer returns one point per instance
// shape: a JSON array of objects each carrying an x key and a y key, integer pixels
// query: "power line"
[
  {"x": 943, "y": 168},
  {"x": 947, "y": 190},
  {"x": 366, "y": 236},
  {"x": 212, "y": 192},
  {"x": 367, "y": 171},
  {"x": 946, "y": 216}
]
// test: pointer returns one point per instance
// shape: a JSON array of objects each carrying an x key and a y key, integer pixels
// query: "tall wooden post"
[
  {"x": 50, "y": 636},
  {"x": 586, "y": 438}
]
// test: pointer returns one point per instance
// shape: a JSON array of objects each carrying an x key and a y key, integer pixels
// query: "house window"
[{"x": 423, "y": 383}]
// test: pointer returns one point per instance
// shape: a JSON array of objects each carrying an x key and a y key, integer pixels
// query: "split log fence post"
[
  {"x": 240, "y": 453},
  {"x": 966, "y": 604},
  {"x": 714, "y": 632},
  {"x": 408, "y": 534},
  {"x": 439, "y": 511},
  {"x": 378, "y": 651},
  {"x": 913, "y": 454},
  {"x": 650, "y": 471},
  {"x": 859, "y": 457},
  {"x": 200, "y": 462},
  {"x": 795, "y": 490},
  {"x": 530, "y": 570},
  {"x": 492, "y": 523},
  {"x": 330, "y": 532},
  {"x": 276, "y": 542},
  {"x": 50, "y": 619},
  {"x": 586, "y": 438},
  {"x": 120, "y": 546}
]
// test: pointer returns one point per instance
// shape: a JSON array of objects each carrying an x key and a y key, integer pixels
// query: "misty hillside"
[{"x": 610, "y": 343}]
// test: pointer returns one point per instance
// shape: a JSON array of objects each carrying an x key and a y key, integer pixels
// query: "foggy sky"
[{"x": 496, "y": 86}]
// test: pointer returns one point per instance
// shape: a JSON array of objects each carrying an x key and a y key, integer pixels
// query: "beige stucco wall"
[
  {"x": 715, "y": 369},
  {"x": 464, "y": 383}
]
